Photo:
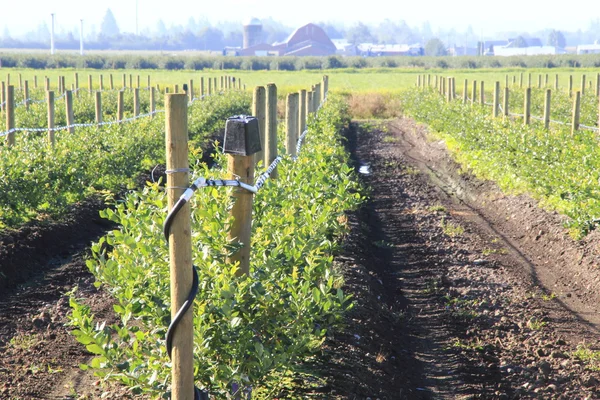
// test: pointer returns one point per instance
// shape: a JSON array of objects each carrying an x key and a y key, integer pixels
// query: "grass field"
[{"x": 381, "y": 80}]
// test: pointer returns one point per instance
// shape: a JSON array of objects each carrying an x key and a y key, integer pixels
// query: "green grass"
[{"x": 451, "y": 229}]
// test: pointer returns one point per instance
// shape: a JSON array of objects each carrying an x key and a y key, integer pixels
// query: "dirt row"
[{"x": 459, "y": 291}]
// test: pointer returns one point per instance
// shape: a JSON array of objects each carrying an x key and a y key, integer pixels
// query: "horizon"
[{"x": 464, "y": 13}]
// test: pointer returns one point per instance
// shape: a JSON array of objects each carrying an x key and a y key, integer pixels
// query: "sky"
[{"x": 486, "y": 18}]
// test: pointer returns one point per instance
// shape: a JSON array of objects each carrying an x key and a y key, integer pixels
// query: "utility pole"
[
  {"x": 81, "y": 37},
  {"x": 137, "y": 32},
  {"x": 52, "y": 36}
]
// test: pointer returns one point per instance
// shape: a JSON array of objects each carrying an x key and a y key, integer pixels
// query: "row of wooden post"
[
  {"x": 298, "y": 107},
  {"x": 438, "y": 82},
  {"x": 450, "y": 95}
]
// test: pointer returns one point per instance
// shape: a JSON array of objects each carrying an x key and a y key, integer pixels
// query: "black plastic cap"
[{"x": 241, "y": 136}]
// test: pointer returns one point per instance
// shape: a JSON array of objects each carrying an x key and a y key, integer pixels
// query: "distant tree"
[
  {"x": 6, "y": 33},
  {"x": 332, "y": 31},
  {"x": 426, "y": 32},
  {"x": 360, "y": 33},
  {"x": 557, "y": 39},
  {"x": 519, "y": 42},
  {"x": 435, "y": 47},
  {"x": 109, "y": 27},
  {"x": 161, "y": 28},
  {"x": 210, "y": 39}
]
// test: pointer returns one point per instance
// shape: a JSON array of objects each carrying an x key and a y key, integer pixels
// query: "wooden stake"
[
  {"x": 20, "y": 82},
  {"x": 180, "y": 246},
  {"x": 210, "y": 84},
  {"x": 547, "y": 102},
  {"x": 101, "y": 82},
  {"x": 149, "y": 86},
  {"x": 130, "y": 81},
  {"x": 556, "y": 82},
  {"x": 76, "y": 81},
  {"x": 259, "y": 110},
  {"x": 120, "y": 106},
  {"x": 35, "y": 82},
  {"x": 539, "y": 81},
  {"x": 136, "y": 102},
  {"x": 546, "y": 80},
  {"x": 191, "y": 90},
  {"x": 111, "y": 82},
  {"x": 527, "y": 107},
  {"x": 291, "y": 114},
  {"x": 47, "y": 83},
  {"x": 201, "y": 86},
  {"x": 90, "y": 83},
  {"x": 474, "y": 93},
  {"x": 505, "y": 106},
  {"x": 9, "y": 109},
  {"x": 521, "y": 80},
  {"x": 482, "y": 94},
  {"x": 301, "y": 111},
  {"x": 325, "y": 87},
  {"x": 3, "y": 96},
  {"x": 26, "y": 94},
  {"x": 69, "y": 110},
  {"x": 496, "y": 101},
  {"x": 309, "y": 103},
  {"x": 582, "y": 85},
  {"x": 50, "y": 102},
  {"x": 576, "y": 112},
  {"x": 124, "y": 81},
  {"x": 598, "y": 86},
  {"x": 529, "y": 80},
  {"x": 570, "y": 85},
  {"x": 465, "y": 91},
  {"x": 98, "y": 107},
  {"x": 138, "y": 81},
  {"x": 271, "y": 127},
  {"x": 419, "y": 80},
  {"x": 152, "y": 103}
]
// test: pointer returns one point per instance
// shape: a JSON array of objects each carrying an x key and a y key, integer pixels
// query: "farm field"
[{"x": 441, "y": 253}]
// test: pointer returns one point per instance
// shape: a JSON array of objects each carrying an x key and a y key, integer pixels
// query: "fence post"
[
  {"x": 111, "y": 82},
  {"x": 547, "y": 101},
  {"x": 26, "y": 94},
  {"x": 546, "y": 80},
  {"x": 9, "y": 109},
  {"x": 598, "y": 86},
  {"x": 98, "y": 107},
  {"x": 201, "y": 86},
  {"x": 435, "y": 82},
  {"x": 101, "y": 82},
  {"x": 76, "y": 76},
  {"x": 514, "y": 81},
  {"x": 309, "y": 102},
  {"x": 582, "y": 85},
  {"x": 35, "y": 82},
  {"x": 576, "y": 109},
  {"x": 259, "y": 111},
  {"x": 527, "y": 107},
  {"x": 90, "y": 83},
  {"x": 20, "y": 82},
  {"x": 482, "y": 94},
  {"x": 556, "y": 82},
  {"x": 496, "y": 105},
  {"x": 521, "y": 80},
  {"x": 222, "y": 87},
  {"x": 8, "y": 79},
  {"x": 61, "y": 87},
  {"x": 271, "y": 127},
  {"x": 152, "y": 102},
  {"x": 69, "y": 110},
  {"x": 176, "y": 88},
  {"x": 570, "y": 85},
  {"x": 124, "y": 81},
  {"x": 539, "y": 81},
  {"x": 3, "y": 96},
  {"x": 50, "y": 102},
  {"x": 210, "y": 84},
  {"x": 465, "y": 90},
  {"x": 149, "y": 86},
  {"x": 474, "y": 93},
  {"x": 47, "y": 83},
  {"x": 506, "y": 80},
  {"x": 136, "y": 102},
  {"x": 180, "y": 246},
  {"x": 449, "y": 91},
  {"x": 138, "y": 81},
  {"x": 529, "y": 80},
  {"x": 130, "y": 81},
  {"x": 191, "y": 90},
  {"x": 419, "y": 80},
  {"x": 120, "y": 106},
  {"x": 326, "y": 86},
  {"x": 301, "y": 111},
  {"x": 291, "y": 116},
  {"x": 505, "y": 100},
  {"x": 215, "y": 85}
]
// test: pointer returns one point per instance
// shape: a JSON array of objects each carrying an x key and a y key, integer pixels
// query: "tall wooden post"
[
  {"x": 325, "y": 87},
  {"x": 546, "y": 81},
  {"x": 69, "y": 110},
  {"x": 271, "y": 127},
  {"x": 291, "y": 116},
  {"x": 35, "y": 82},
  {"x": 130, "y": 81},
  {"x": 222, "y": 82},
  {"x": 259, "y": 110},
  {"x": 556, "y": 82},
  {"x": 201, "y": 86},
  {"x": 419, "y": 80},
  {"x": 496, "y": 102},
  {"x": 539, "y": 81},
  {"x": 152, "y": 102},
  {"x": 9, "y": 109},
  {"x": 529, "y": 80},
  {"x": 76, "y": 76},
  {"x": 521, "y": 80},
  {"x": 98, "y": 107},
  {"x": 101, "y": 82},
  {"x": 120, "y": 106},
  {"x": 210, "y": 85},
  {"x": 474, "y": 93},
  {"x": 61, "y": 88},
  {"x": 514, "y": 81},
  {"x": 111, "y": 82},
  {"x": 3, "y": 96},
  {"x": 598, "y": 85},
  {"x": 215, "y": 85},
  {"x": 20, "y": 82},
  {"x": 570, "y": 85},
  {"x": 191, "y": 90},
  {"x": 465, "y": 91},
  {"x": 26, "y": 94},
  {"x": 124, "y": 81},
  {"x": 527, "y": 107},
  {"x": 136, "y": 102},
  {"x": 576, "y": 112},
  {"x": 148, "y": 83},
  {"x": 47, "y": 84},
  {"x": 506, "y": 80},
  {"x": 180, "y": 246},
  {"x": 309, "y": 102},
  {"x": 482, "y": 94},
  {"x": 137, "y": 81},
  {"x": 505, "y": 100},
  {"x": 547, "y": 101},
  {"x": 302, "y": 111},
  {"x": 436, "y": 82},
  {"x": 90, "y": 83},
  {"x": 50, "y": 102},
  {"x": 582, "y": 85}
]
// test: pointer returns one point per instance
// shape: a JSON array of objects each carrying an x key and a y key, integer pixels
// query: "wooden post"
[
  {"x": 69, "y": 110},
  {"x": 166, "y": 90},
  {"x": 222, "y": 87},
  {"x": 505, "y": 106},
  {"x": 474, "y": 93},
  {"x": 496, "y": 102},
  {"x": 259, "y": 105},
  {"x": 521, "y": 80},
  {"x": 201, "y": 86},
  {"x": 35, "y": 82},
  {"x": 3, "y": 96},
  {"x": 576, "y": 110},
  {"x": 50, "y": 102},
  {"x": 90, "y": 83},
  {"x": 76, "y": 76},
  {"x": 546, "y": 81},
  {"x": 98, "y": 107},
  {"x": 210, "y": 84},
  {"x": 301, "y": 111},
  {"x": 149, "y": 86},
  {"x": 465, "y": 91},
  {"x": 152, "y": 103},
  {"x": 598, "y": 86},
  {"x": 130, "y": 81},
  {"x": 529, "y": 80},
  {"x": 570, "y": 85},
  {"x": 317, "y": 97},
  {"x": 124, "y": 81},
  {"x": 449, "y": 91},
  {"x": 527, "y": 107},
  {"x": 47, "y": 83},
  {"x": 582, "y": 85},
  {"x": 309, "y": 102},
  {"x": 514, "y": 81},
  {"x": 101, "y": 82},
  {"x": 556, "y": 82},
  {"x": 547, "y": 101},
  {"x": 191, "y": 90},
  {"x": 138, "y": 81},
  {"x": 9, "y": 109},
  {"x": 120, "y": 106},
  {"x": 482, "y": 94},
  {"x": 26, "y": 94},
  {"x": 436, "y": 82},
  {"x": 325, "y": 87},
  {"x": 291, "y": 115},
  {"x": 271, "y": 127},
  {"x": 61, "y": 87},
  {"x": 419, "y": 80},
  {"x": 539, "y": 81},
  {"x": 7, "y": 79},
  {"x": 506, "y": 80},
  {"x": 136, "y": 102},
  {"x": 111, "y": 82},
  {"x": 180, "y": 246},
  {"x": 215, "y": 85},
  {"x": 20, "y": 82}
]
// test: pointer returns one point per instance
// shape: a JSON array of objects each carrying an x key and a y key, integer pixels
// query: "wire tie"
[
  {"x": 174, "y": 171},
  {"x": 176, "y": 187}
]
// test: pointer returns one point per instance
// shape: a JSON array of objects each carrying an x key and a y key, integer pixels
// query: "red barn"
[{"x": 308, "y": 40}]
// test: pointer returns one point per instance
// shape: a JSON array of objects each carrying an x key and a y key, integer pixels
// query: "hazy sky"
[{"x": 486, "y": 17}]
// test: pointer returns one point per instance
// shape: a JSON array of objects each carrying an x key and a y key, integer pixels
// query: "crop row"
[{"x": 558, "y": 168}]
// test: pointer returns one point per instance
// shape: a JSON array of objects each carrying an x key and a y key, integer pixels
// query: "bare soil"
[{"x": 460, "y": 291}]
